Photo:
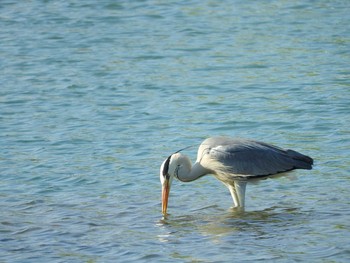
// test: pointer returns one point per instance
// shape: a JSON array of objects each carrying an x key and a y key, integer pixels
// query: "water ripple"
[{"x": 95, "y": 95}]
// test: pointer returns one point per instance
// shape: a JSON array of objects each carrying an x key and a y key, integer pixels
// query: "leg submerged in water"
[{"x": 237, "y": 191}]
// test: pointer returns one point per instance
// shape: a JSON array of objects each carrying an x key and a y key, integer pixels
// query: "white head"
[{"x": 172, "y": 166}]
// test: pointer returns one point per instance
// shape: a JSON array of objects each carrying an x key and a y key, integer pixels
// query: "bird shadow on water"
[{"x": 217, "y": 222}]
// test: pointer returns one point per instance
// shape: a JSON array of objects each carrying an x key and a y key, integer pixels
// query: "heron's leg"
[
  {"x": 240, "y": 187},
  {"x": 233, "y": 194}
]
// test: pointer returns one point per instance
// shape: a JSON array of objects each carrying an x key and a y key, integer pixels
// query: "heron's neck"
[{"x": 188, "y": 173}]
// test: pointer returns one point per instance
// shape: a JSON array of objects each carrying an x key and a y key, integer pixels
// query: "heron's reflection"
[{"x": 216, "y": 223}]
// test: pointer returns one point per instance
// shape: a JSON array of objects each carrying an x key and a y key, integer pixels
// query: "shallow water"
[{"x": 94, "y": 95}]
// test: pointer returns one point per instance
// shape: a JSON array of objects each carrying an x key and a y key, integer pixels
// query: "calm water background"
[{"x": 95, "y": 94}]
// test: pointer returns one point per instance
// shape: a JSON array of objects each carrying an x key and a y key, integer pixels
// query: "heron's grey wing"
[{"x": 247, "y": 157}]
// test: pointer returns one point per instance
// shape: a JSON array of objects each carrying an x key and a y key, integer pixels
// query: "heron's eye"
[{"x": 165, "y": 171}]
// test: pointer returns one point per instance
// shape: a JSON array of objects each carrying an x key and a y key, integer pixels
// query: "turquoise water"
[{"x": 95, "y": 94}]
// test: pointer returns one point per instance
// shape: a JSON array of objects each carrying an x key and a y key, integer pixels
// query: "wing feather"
[{"x": 253, "y": 158}]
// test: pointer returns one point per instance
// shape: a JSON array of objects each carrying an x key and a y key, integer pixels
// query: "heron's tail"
[{"x": 301, "y": 161}]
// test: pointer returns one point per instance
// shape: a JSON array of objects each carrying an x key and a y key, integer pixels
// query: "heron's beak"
[{"x": 165, "y": 195}]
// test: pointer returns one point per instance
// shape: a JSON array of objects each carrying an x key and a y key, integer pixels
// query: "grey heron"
[{"x": 235, "y": 162}]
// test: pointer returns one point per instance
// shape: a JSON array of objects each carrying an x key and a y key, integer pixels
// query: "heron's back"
[{"x": 249, "y": 158}]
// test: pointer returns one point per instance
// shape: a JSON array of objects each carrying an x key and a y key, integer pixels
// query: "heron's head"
[
  {"x": 166, "y": 179},
  {"x": 170, "y": 168}
]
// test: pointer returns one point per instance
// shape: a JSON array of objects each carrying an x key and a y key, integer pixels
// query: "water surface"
[{"x": 95, "y": 94}]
